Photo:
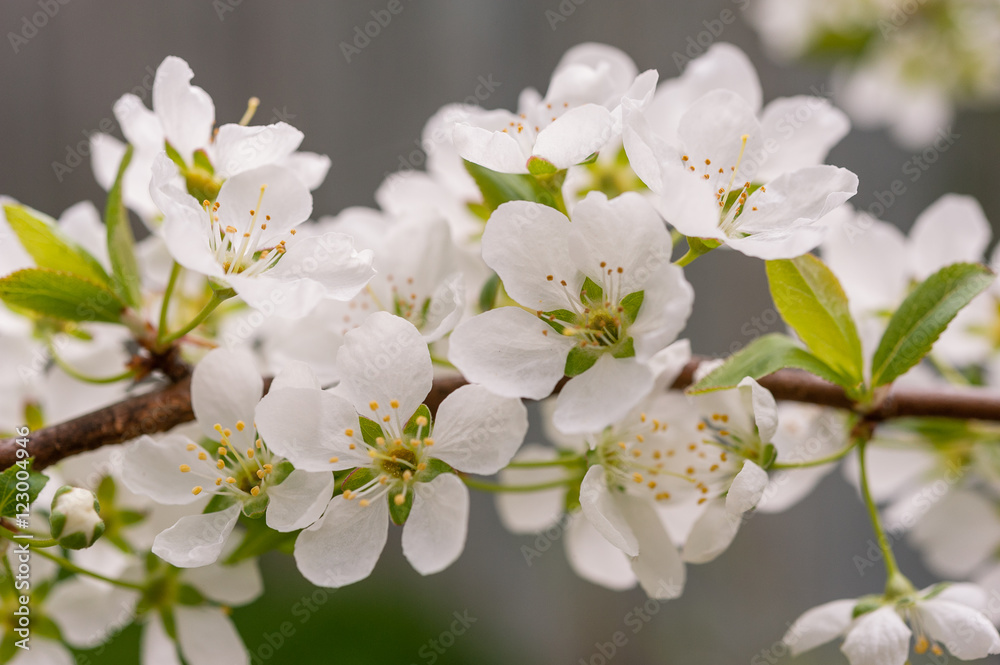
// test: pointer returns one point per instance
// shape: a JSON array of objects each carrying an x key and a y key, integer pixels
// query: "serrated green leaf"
[
  {"x": 923, "y": 316},
  {"x": 811, "y": 301},
  {"x": 579, "y": 361},
  {"x": 60, "y": 295},
  {"x": 31, "y": 482},
  {"x": 46, "y": 243},
  {"x": 761, "y": 357},
  {"x": 125, "y": 280},
  {"x": 499, "y": 188}
]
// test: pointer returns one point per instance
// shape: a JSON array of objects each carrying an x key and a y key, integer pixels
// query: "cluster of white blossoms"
[
  {"x": 366, "y": 370},
  {"x": 905, "y": 64}
]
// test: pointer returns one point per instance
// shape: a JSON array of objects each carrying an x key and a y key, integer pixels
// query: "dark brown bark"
[{"x": 163, "y": 409}]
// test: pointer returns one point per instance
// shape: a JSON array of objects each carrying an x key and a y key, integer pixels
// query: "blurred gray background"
[{"x": 59, "y": 83}]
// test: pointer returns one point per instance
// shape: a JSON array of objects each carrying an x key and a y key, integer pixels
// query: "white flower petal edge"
[
  {"x": 207, "y": 636},
  {"x": 819, "y": 625},
  {"x": 299, "y": 500},
  {"x": 477, "y": 431},
  {"x": 435, "y": 531},
  {"x": 878, "y": 638},
  {"x": 344, "y": 545},
  {"x": 196, "y": 540}
]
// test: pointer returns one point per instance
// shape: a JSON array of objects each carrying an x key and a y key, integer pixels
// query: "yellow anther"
[
  {"x": 334, "y": 460},
  {"x": 227, "y": 432},
  {"x": 221, "y": 451},
  {"x": 240, "y": 425},
  {"x": 196, "y": 490},
  {"x": 640, "y": 438},
  {"x": 421, "y": 421},
  {"x": 374, "y": 405},
  {"x": 428, "y": 441},
  {"x": 621, "y": 444},
  {"x": 250, "y": 453},
  {"x": 637, "y": 477},
  {"x": 202, "y": 455},
  {"x": 372, "y": 453},
  {"x": 394, "y": 403},
  {"x": 185, "y": 468},
  {"x": 259, "y": 444},
  {"x": 349, "y": 432},
  {"x": 399, "y": 500},
  {"x": 261, "y": 473},
  {"x": 230, "y": 480},
  {"x": 407, "y": 474},
  {"x": 363, "y": 503},
  {"x": 352, "y": 446},
  {"x": 220, "y": 464},
  {"x": 386, "y": 418},
  {"x": 217, "y": 427},
  {"x": 218, "y": 481},
  {"x": 269, "y": 468},
  {"x": 191, "y": 446},
  {"x": 379, "y": 441},
  {"x": 936, "y": 650},
  {"x": 255, "y": 491},
  {"x": 922, "y": 645},
  {"x": 421, "y": 466}
]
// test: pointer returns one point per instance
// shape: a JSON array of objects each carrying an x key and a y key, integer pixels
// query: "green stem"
[
  {"x": 218, "y": 297},
  {"x": 442, "y": 362},
  {"x": 566, "y": 461},
  {"x": 79, "y": 376},
  {"x": 72, "y": 567},
  {"x": 33, "y": 541},
  {"x": 495, "y": 487},
  {"x": 896, "y": 583},
  {"x": 165, "y": 307},
  {"x": 696, "y": 248},
  {"x": 820, "y": 461}
]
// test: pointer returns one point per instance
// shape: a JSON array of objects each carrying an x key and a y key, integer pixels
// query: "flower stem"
[
  {"x": 79, "y": 376},
  {"x": 840, "y": 454},
  {"x": 167, "y": 294},
  {"x": 565, "y": 461},
  {"x": 218, "y": 297},
  {"x": 72, "y": 567},
  {"x": 696, "y": 247},
  {"x": 33, "y": 541},
  {"x": 495, "y": 487},
  {"x": 896, "y": 583}
]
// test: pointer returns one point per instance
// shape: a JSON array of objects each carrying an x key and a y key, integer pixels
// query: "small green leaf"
[
  {"x": 121, "y": 244},
  {"x": 202, "y": 162},
  {"x": 761, "y": 357},
  {"x": 592, "y": 291},
  {"x": 488, "y": 295},
  {"x": 435, "y": 468},
  {"x": 255, "y": 507},
  {"x": 540, "y": 166},
  {"x": 631, "y": 304},
  {"x": 400, "y": 512},
  {"x": 580, "y": 360},
  {"x": 60, "y": 295},
  {"x": 219, "y": 502},
  {"x": 19, "y": 479},
  {"x": 358, "y": 478},
  {"x": 812, "y": 302},
  {"x": 923, "y": 316},
  {"x": 498, "y": 188},
  {"x": 370, "y": 430},
  {"x": 625, "y": 349},
  {"x": 412, "y": 427},
  {"x": 767, "y": 456},
  {"x": 46, "y": 243}
]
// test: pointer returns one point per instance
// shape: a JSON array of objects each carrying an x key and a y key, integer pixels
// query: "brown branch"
[{"x": 161, "y": 410}]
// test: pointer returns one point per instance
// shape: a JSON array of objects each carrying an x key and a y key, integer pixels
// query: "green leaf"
[
  {"x": 121, "y": 244},
  {"x": 412, "y": 427},
  {"x": 435, "y": 468},
  {"x": 625, "y": 349},
  {"x": 765, "y": 355},
  {"x": 540, "y": 166},
  {"x": 219, "y": 502},
  {"x": 631, "y": 304},
  {"x": 255, "y": 507},
  {"x": 19, "y": 479},
  {"x": 812, "y": 302},
  {"x": 46, "y": 243},
  {"x": 358, "y": 478},
  {"x": 580, "y": 360},
  {"x": 60, "y": 295},
  {"x": 400, "y": 512},
  {"x": 923, "y": 316},
  {"x": 488, "y": 295},
  {"x": 498, "y": 188},
  {"x": 592, "y": 291},
  {"x": 370, "y": 430}
]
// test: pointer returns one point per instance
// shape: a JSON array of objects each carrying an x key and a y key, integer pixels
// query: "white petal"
[
  {"x": 385, "y": 359},
  {"x": 574, "y": 136},
  {"x": 492, "y": 148},
  {"x": 285, "y": 200},
  {"x": 511, "y": 352},
  {"x": 527, "y": 244},
  {"x": 106, "y": 154},
  {"x": 603, "y": 394},
  {"x": 659, "y": 566},
  {"x": 878, "y": 638},
  {"x": 196, "y": 540},
  {"x": 295, "y": 374},
  {"x": 966, "y": 632},
  {"x": 207, "y": 636},
  {"x": 238, "y": 148},
  {"x": 140, "y": 126},
  {"x": 953, "y": 229},
  {"x": 747, "y": 488},
  {"x": 331, "y": 261},
  {"x": 667, "y": 301},
  {"x": 155, "y": 645},
  {"x": 819, "y": 625},
  {"x": 531, "y": 512},
  {"x": 801, "y": 130},
  {"x": 343, "y": 547},
  {"x": 959, "y": 532},
  {"x": 87, "y": 613},
  {"x": 765, "y": 410},
  {"x": 794, "y": 199},
  {"x": 446, "y": 309},
  {"x": 45, "y": 652},
  {"x": 225, "y": 389},
  {"x": 714, "y": 128},
  {"x": 308, "y": 427},
  {"x": 604, "y": 513},
  {"x": 185, "y": 111},
  {"x": 299, "y": 500},
  {"x": 688, "y": 204},
  {"x": 477, "y": 431},
  {"x": 151, "y": 467},
  {"x": 234, "y": 585},
  {"x": 624, "y": 235},
  {"x": 712, "y": 533},
  {"x": 308, "y": 167},
  {"x": 594, "y": 558},
  {"x": 434, "y": 533}
]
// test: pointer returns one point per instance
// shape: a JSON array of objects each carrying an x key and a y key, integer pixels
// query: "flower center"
[
  {"x": 240, "y": 253},
  {"x": 242, "y": 473}
]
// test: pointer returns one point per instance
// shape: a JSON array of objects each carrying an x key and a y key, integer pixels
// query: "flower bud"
[{"x": 75, "y": 520}]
